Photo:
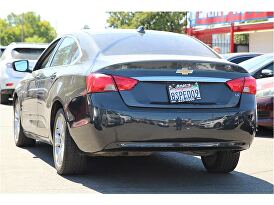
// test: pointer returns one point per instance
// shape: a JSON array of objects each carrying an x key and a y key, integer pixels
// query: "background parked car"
[
  {"x": 239, "y": 57},
  {"x": 261, "y": 68},
  {"x": 265, "y": 96},
  {"x": 9, "y": 77}
]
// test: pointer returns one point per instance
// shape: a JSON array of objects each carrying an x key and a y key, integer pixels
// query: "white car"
[
  {"x": 9, "y": 77},
  {"x": 214, "y": 123}
]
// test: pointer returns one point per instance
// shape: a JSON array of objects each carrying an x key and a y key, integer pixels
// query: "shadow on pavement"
[
  {"x": 265, "y": 133},
  {"x": 159, "y": 173}
]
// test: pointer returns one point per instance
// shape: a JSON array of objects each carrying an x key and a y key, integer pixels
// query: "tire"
[
  {"x": 221, "y": 162},
  {"x": 4, "y": 99},
  {"x": 217, "y": 125},
  {"x": 69, "y": 160},
  {"x": 20, "y": 139}
]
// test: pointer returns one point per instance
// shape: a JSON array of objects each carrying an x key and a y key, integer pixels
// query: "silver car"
[{"x": 9, "y": 77}]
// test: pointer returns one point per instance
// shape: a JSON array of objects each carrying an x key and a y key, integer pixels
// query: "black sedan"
[{"x": 132, "y": 92}]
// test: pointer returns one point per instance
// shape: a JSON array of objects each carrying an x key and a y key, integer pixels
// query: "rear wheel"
[
  {"x": 221, "y": 162},
  {"x": 20, "y": 138},
  {"x": 67, "y": 156},
  {"x": 4, "y": 99}
]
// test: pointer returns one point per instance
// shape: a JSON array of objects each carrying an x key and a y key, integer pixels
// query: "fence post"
[{"x": 232, "y": 38}]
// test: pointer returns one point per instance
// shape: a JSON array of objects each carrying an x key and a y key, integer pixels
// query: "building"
[{"x": 218, "y": 29}]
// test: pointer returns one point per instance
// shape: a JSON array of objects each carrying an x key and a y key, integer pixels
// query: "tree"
[
  {"x": 162, "y": 21},
  {"x": 26, "y": 27}
]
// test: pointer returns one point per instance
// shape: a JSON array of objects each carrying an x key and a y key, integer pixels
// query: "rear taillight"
[
  {"x": 9, "y": 84},
  {"x": 100, "y": 83},
  {"x": 243, "y": 85},
  {"x": 97, "y": 82},
  {"x": 124, "y": 83}
]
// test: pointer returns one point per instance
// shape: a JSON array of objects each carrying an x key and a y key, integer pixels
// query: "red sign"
[{"x": 206, "y": 18}]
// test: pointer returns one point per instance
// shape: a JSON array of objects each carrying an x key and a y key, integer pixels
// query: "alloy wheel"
[
  {"x": 17, "y": 121},
  {"x": 59, "y": 140}
]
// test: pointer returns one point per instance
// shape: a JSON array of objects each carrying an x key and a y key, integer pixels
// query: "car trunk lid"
[{"x": 158, "y": 79}]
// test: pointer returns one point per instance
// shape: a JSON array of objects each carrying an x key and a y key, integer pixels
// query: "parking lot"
[{"x": 31, "y": 170}]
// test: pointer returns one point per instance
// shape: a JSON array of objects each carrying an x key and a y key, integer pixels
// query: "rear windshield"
[
  {"x": 175, "y": 65},
  {"x": 165, "y": 44},
  {"x": 27, "y": 53}
]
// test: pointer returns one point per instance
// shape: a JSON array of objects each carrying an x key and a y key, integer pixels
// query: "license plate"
[{"x": 184, "y": 92}]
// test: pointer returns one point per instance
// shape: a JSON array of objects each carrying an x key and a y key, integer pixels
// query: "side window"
[
  {"x": 241, "y": 59},
  {"x": 44, "y": 60},
  {"x": 268, "y": 68},
  {"x": 45, "y": 63},
  {"x": 67, "y": 53}
]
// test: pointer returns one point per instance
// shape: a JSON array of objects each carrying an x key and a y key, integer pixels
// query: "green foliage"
[
  {"x": 162, "y": 21},
  {"x": 26, "y": 27},
  {"x": 241, "y": 38},
  {"x": 35, "y": 39}
]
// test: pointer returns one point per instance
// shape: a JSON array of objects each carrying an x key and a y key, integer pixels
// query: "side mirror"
[
  {"x": 21, "y": 66},
  {"x": 267, "y": 73}
]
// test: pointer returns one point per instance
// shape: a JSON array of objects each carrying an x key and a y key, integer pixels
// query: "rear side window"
[
  {"x": 150, "y": 43},
  {"x": 27, "y": 53},
  {"x": 67, "y": 53},
  {"x": 241, "y": 59},
  {"x": 253, "y": 64},
  {"x": 259, "y": 75}
]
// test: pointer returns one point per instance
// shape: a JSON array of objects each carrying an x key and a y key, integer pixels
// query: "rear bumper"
[
  {"x": 176, "y": 146},
  {"x": 7, "y": 91},
  {"x": 266, "y": 122},
  {"x": 12, "y": 81},
  {"x": 265, "y": 111},
  {"x": 148, "y": 129}
]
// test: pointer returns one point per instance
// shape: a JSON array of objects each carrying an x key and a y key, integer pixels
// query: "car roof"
[{"x": 121, "y": 31}]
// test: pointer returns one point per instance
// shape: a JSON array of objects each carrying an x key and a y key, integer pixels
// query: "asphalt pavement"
[{"x": 30, "y": 170}]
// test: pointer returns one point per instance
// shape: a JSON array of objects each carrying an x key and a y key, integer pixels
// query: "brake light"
[
  {"x": 97, "y": 82},
  {"x": 9, "y": 84},
  {"x": 243, "y": 85},
  {"x": 250, "y": 85},
  {"x": 124, "y": 83}
]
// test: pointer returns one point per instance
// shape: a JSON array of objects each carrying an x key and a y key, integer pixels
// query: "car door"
[
  {"x": 64, "y": 56},
  {"x": 29, "y": 103},
  {"x": 33, "y": 90}
]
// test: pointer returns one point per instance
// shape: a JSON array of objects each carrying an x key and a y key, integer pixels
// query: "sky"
[
  {"x": 64, "y": 16},
  {"x": 71, "y": 15}
]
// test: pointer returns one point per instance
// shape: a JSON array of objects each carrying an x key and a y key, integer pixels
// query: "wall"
[{"x": 261, "y": 42}]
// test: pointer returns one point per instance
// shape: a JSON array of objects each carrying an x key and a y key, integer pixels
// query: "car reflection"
[
  {"x": 163, "y": 123},
  {"x": 108, "y": 118},
  {"x": 111, "y": 118},
  {"x": 213, "y": 123}
]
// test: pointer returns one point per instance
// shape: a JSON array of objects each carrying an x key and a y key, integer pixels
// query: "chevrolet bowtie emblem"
[{"x": 184, "y": 71}]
